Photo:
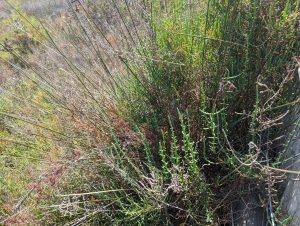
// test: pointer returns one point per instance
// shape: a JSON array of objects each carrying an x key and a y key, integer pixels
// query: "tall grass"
[{"x": 176, "y": 106}]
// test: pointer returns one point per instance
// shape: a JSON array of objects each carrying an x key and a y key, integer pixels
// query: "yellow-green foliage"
[
  {"x": 21, "y": 155},
  {"x": 182, "y": 28},
  {"x": 19, "y": 33}
]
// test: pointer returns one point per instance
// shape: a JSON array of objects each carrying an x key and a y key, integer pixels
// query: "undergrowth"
[{"x": 168, "y": 112}]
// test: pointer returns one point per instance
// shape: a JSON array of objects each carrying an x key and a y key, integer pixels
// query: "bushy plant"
[{"x": 172, "y": 110}]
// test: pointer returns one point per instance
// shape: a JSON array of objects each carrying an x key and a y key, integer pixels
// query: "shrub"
[{"x": 172, "y": 108}]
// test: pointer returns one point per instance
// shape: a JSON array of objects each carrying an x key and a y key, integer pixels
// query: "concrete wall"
[{"x": 291, "y": 195}]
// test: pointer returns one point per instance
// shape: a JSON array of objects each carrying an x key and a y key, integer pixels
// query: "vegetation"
[
  {"x": 17, "y": 36},
  {"x": 149, "y": 112}
]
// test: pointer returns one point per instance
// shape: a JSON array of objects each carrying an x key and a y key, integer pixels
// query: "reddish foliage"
[{"x": 122, "y": 130}]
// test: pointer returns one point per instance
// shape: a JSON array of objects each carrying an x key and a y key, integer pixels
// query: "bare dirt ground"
[
  {"x": 44, "y": 8},
  {"x": 4, "y": 12},
  {"x": 38, "y": 8}
]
